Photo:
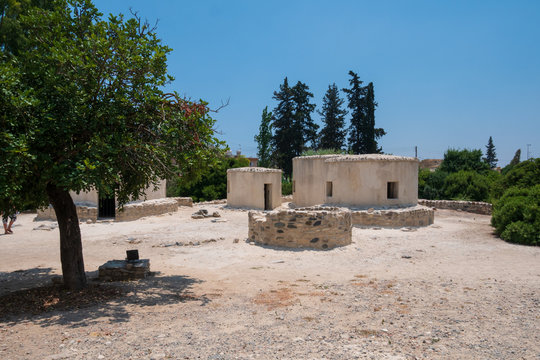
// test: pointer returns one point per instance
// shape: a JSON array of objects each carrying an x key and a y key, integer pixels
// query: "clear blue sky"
[{"x": 446, "y": 73}]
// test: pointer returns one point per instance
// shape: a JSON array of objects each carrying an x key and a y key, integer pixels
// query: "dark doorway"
[
  {"x": 106, "y": 208},
  {"x": 267, "y": 196}
]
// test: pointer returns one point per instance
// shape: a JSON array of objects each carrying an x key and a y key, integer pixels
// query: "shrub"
[
  {"x": 523, "y": 175},
  {"x": 466, "y": 185},
  {"x": 431, "y": 184},
  {"x": 286, "y": 186},
  {"x": 210, "y": 185},
  {"x": 516, "y": 216},
  {"x": 467, "y": 160}
]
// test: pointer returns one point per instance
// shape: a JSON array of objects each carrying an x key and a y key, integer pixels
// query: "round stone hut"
[
  {"x": 254, "y": 188},
  {"x": 365, "y": 181}
]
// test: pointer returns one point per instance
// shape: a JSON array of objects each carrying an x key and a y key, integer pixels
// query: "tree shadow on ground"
[
  {"x": 115, "y": 301},
  {"x": 24, "y": 279}
]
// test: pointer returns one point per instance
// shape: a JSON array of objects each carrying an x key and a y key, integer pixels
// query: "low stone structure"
[
  {"x": 476, "y": 207},
  {"x": 84, "y": 213},
  {"x": 254, "y": 188},
  {"x": 136, "y": 211},
  {"x": 301, "y": 228},
  {"x": 129, "y": 212},
  {"x": 118, "y": 270},
  {"x": 412, "y": 216},
  {"x": 183, "y": 201}
]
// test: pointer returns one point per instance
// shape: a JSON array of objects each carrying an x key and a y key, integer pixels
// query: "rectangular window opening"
[
  {"x": 293, "y": 186},
  {"x": 329, "y": 189},
  {"x": 228, "y": 186},
  {"x": 392, "y": 190}
]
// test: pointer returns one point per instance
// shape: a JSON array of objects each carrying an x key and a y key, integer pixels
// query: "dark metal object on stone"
[{"x": 132, "y": 255}]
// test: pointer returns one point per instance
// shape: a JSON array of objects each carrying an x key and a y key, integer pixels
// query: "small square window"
[
  {"x": 392, "y": 190},
  {"x": 329, "y": 188}
]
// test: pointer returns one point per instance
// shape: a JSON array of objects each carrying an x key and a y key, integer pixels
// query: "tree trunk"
[{"x": 71, "y": 254}]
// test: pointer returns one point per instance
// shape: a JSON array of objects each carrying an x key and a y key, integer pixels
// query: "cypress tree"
[
  {"x": 362, "y": 132},
  {"x": 264, "y": 139},
  {"x": 491, "y": 156},
  {"x": 356, "y": 95},
  {"x": 333, "y": 133},
  {"x": 372, "y": 134},
  {"x": 304, "y": 124},
  {"x": 286, "y": 132}
]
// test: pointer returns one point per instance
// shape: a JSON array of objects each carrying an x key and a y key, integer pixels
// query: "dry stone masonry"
[
  {"x": 414, "y": 216},
  {"x": 476, "y": 207},
  {"x": 301, "y": 228},
  {"x": 146, "y": 208},
  {"x": 84, "y": 213}
]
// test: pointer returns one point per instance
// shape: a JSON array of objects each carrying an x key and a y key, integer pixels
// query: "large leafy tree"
[
  {"x": 286, "y": 131},
  {"x": 82, "y": 107},
  {"x": 264, "y": 139},
  {"x": 332, "y": 135},
  {"x": 363, "y": 135},
  {"x": 491, "y": 155},
  {"x": 466, "y": 160}
]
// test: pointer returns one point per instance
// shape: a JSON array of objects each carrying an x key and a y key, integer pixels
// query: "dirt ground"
[{"x": 448, "y": 291}]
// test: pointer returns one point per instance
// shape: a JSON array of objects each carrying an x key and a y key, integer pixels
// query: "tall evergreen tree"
[
  {"x": 333, "y": 133},
  {"x": 264, "y": 139},
  {"x": 356, "y": 95},
  {"x": 362, "y": 132},
  {"x": 372, "y": 134},
  {"x": 304, "y": 124},
  {"x": 286, "y": 131},
  {"x": 491, "y": 156}
]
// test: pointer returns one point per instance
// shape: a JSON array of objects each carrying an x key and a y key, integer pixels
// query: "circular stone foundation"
[{"x": 301, "y": 228}]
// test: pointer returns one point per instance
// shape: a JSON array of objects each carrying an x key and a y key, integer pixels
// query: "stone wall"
[
  {"x": 476, "y": 207},
  {"x": 414, "y": 216},
  {"x": 183, "y": 201},
  {"x": 83, "y": 212},
  {"x": 146, "y": 208},
  {"x": 301, "y": 228}
]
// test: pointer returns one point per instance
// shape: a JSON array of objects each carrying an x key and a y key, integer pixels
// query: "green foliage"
[
  {"x": 293, "y": 127},
  {"x": 522, "y": 175},
  {"x": 302, "y": 116},
  {"x": 333, "y": 133},
  {"x": 211, "y": 184},
  {"x": 431, "y": 184},
  {"x": 286, "y": 186},
  {"x": 515, "y": 160},
  {"x": 516, "y": 216},
  {"x": 467, "y": 160},
  {"x": 285, "y": 132},
  {"x": 264, "y": 139},
  {"x": 362, "y": 132},
  {"x": 90, "y": 113},
  {"x": 491, "y": 156},
  {"x": 466, "y": 185},
  {"x": 311, "y": 152}
]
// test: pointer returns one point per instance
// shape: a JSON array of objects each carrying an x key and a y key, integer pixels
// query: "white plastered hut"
[
  {"x": 254, "y": 188},
  {"x": 107, "y": 206},
  {"x": 371, "y": 180}
]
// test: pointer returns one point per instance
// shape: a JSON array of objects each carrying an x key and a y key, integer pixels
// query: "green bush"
[
  {"x": 466, "y": 185},
  {"x": 467, "y": 160},
  {"x": 286, "y": 186},
  {"x": 516, "y": 216},
  {"x": 431, "y": 184},
  {"x": 522, "y": 175},
  {"x": 210, "y": 185}
]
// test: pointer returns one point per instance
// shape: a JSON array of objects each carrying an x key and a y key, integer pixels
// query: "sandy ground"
[{"x": 448, "y": 291}]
